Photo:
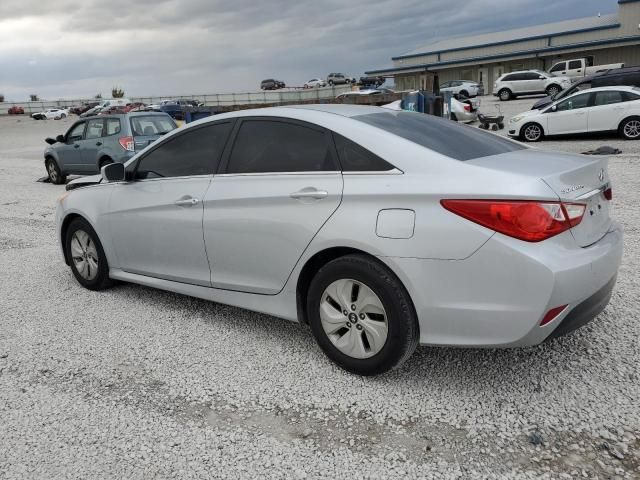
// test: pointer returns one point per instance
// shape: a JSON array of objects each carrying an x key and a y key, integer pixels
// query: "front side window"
[
  {"x": 574, "y": 103},
  {"x": 531, "y": 76},
  {"x": 354, "y": 158},
  {"x": 76, "y": 133},
  {"x": 94, "y": 128},
  {"x": 607, "y": 98},
  {"x": 195, "y": 152},
  {"x": 265, "y": 146}
]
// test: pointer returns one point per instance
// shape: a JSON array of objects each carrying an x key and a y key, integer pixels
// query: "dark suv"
[
  {"x": 94, "y": 142},
  {"x": 629, "y": 76},
  {"x": 271, "y": 84}
]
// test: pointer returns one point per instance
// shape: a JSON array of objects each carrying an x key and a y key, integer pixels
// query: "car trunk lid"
[{"x": 573, "y": 178}]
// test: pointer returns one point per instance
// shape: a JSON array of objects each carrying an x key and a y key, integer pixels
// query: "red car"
[
  {"x": 15, "y": 110},
  {"x": 134, "y": 107}
]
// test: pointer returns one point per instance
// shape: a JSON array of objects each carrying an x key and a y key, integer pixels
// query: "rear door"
[
  {"x": 280, "y": 183},
  {"x": 575, "y": 68},
  {"x": 571, "y": 115},
  {"x": 156, "y": 220},
  {"x": 607, "y": 111}
]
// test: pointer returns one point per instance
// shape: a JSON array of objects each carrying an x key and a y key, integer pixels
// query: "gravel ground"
[{"x": 138, "y": 383}]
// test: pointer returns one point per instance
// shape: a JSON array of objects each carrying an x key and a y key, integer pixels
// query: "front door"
[
  {"x": 571, "y": 115},
  {"x": 69, "y": 154},
  {"x": 156, "y": 220},
  {"x": 91, "y": 144},
  {"x": 281, "y": 183}
]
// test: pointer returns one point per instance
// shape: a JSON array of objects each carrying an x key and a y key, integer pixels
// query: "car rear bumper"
[{"x": 498, "y": 296}]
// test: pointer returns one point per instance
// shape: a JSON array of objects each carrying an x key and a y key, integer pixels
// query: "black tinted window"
[
  {"x": 530, "y": 76},
  {"x": 575, "y": 64},
  {"x": 271, "y": 146},
  {"x": 355, "y": 158},
  {"x": 443, "y": 136},
  {"x": 558, "y": 67},
  {"x": 608, "y": 97},
  {"x": 508, "y": 78},
  {"x": 628, "y": 96},
  {"x": 195, "y": 152}
]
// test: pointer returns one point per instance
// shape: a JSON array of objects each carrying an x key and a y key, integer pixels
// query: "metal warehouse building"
[{"x": 484, "y": 57}]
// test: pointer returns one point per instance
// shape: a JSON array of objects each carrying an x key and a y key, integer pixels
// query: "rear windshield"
[
  {"x": 443, "y": 136},
  {"x": 146, "y": 125}
]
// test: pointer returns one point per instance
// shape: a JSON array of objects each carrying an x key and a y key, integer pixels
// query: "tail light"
[
  {"x": 551, "y": 314},
  {"x": 608, "y": 193},
  {"x": 127, "y": 143},
  {"x": 526, "y": 220},
  {"x": 467, "y": 107}
]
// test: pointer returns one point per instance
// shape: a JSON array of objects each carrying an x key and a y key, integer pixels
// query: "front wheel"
[
  {"x": 531, "y": 132},
  {"x": 630, "y": 129},
  {"x": 54, "y": 173},
  {"x": 504, "y": 94},
  {"x": 86, "y": 256},
  {"x": 361, "y": 315}
]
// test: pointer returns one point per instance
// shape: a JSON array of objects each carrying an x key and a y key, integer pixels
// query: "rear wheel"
[
  {"x": 54, "y": 173},
  {"x": 86, "y": 256},
  {"x": 361, "y": 315},
  {"x": 504, "y": 94},
  {"x": 453, "y": 117},
  {"x": 105, "y": 161},
  {"x": 552, "y": 90},
  {"x": 464, "y": 93},
  {"x": 531, "y": 132},
  {"x": 630, "y": 129}
]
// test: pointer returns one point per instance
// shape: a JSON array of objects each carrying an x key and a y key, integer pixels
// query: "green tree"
[{"x": 117, "y": 92}]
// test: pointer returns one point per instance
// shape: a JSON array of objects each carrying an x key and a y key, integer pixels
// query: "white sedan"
[
  {"x": 604, "y": 109},
  {"x": 51, "y": 113},
  {"x": 315, "y": 83}
]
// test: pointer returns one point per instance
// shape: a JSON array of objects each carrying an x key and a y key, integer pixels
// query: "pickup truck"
[{"x": 579, "y": 67}]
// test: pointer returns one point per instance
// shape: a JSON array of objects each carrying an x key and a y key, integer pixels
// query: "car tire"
[
  {"x": 54, "y": 173},
  {"x": 104, "y": 161},
  {"x": 552, "y": 90},
  {"x": 531, "y": 132},
  {"x": 453, "y": 117},
  {"x": 64, "y": 115},
  {"x": 630, "y": 128},
  {"x": 347, "y": 330},
  {"x": 505, "y": 94},
  {"x": 463, "y": 93},
  {"x": 331, "y": 83},
  {"x": 86, "y": 256}
]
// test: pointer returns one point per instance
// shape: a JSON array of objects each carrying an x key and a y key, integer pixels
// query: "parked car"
[
  {"x": 113, "y": 109},
  {"x": 528, "y": 82},
  {"x": 90, "y": 144},
  {"x": 315, "y": 83},
  {"x": 51, "y": 114},
  {"x": 604, "y": 109},
  {"x": 466, "y": 88},
  {"x": 84, "y": 107},
  {"x": 134, "y": 107},
  {"x": 629, "y": 76},
  {"x": 454, "y": 236},
  {"x": 271, "y": 84},
  {"x": 364, "y": 92},
  {"x": 372, "y": 81},
  {"x": 580, "y": 67},
  {"x": 464, "y": 109},
  {"x": 92, "y": 112},
  {"x": 15, "y": 110},
  {"x": 339, "y": 79}
]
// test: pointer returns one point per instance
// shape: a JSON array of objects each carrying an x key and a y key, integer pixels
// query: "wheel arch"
[
  {"x": 628, "y": 117},
  {"x": 63, "y": 232},
  {"x": 320, "y": 259},
  {"x": 102, "y": 158}
]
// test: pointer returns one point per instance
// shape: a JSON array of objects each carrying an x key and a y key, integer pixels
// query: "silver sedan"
[{"x": 379, "y": 229}]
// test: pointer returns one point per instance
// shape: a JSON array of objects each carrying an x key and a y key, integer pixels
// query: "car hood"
[
  {"x": 84, "y": 181},
  {"x": 543, "y": 102},
  {"x": 528, "y": 113}
]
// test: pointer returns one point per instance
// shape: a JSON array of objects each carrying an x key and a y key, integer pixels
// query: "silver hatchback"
[{"x": 380, "y": 229}]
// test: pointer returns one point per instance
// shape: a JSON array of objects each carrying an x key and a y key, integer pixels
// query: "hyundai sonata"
[{"x": 380, "y": 229}]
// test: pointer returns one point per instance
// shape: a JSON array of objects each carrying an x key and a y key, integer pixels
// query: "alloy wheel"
[
  {"x": 532, "y": 132},
  {"x": 84, "y": 255},
  {"x": 354, "y": 318},
  {"x": 504, "y": 95},
  {"x": 552, "y": 91},
  {"x": 632, "y": 129},
  {"x": 51, "y": 169}
]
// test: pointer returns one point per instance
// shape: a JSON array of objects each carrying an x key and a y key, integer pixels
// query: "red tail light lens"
[
  {"x": 608, "y": 193},
  {"x": 526, "y": 220},
  {"x": 127, "y": 143},
  {"x": 551, "y": 314},
  {"x": 467, "y": 107}
]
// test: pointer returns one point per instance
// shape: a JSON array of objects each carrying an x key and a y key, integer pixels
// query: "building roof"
[{"x": 516, "y": 34}]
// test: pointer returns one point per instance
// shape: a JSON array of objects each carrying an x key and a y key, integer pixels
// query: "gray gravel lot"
[{"x": 138, "y": 383}]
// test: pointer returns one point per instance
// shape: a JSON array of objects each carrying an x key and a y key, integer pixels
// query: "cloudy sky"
[{"x": 74, "y": 49}]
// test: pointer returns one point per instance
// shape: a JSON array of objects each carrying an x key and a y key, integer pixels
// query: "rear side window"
[
  {"x": 448, "y": 138},
  {"x": 531, "y": 76},
  {"x": 147, "y": 125},
  {"x": 195, "y": 152},
  {"x": 113, "y": 126},
  {"x": 508, "y": 78},
  {"x": 263, "y": 146},
  {"x": 575, "y": 64},
  {"x": 355, "y": 158},
  {"x": 630, "y": 96},
  {"x": 607, "y": 98}
]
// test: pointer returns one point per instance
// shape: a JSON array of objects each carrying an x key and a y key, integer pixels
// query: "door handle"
[
  {"x": 98, "y": 144},
  {"x": 309, "y": 192},
  {"x": 186, "y": 202}
]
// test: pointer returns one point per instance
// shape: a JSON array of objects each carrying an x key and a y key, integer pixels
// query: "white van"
[{"x": 115, "y": 102}]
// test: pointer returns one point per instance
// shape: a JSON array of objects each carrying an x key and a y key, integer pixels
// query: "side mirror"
[
  {"x": 542, "y": 78},
  {"x": 113, "y": 172},
  {"x": 60, "y": 138},
  {"x": 50, "y": 140}
]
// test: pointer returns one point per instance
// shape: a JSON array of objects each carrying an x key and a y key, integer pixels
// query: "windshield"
[
  {"x": 147, "y": 125},
  {"x": 443, "y": 136}
]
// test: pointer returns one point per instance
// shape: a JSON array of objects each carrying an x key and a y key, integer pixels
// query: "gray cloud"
[{"x": 168, "y": 47}]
